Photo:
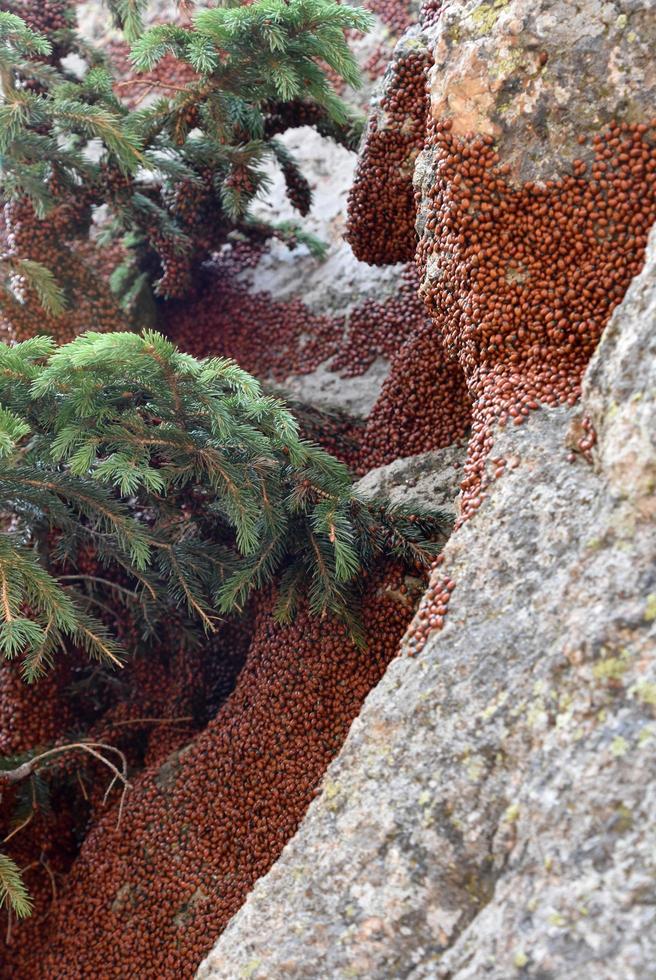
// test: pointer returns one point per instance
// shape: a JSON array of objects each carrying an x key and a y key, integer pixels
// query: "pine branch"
[
  {"x": 183, "y": 473},
  {"x": 13, "y": 892},
  {"x": 98, "y": 123},
  {"x": 37, "y": 277},
  {"x": 128, "y": 15}
]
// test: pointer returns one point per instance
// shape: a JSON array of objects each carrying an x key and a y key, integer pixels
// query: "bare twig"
[
  {"x": 150, "y": 83},
  {"x": 53, "y": 884},
  {"x": 94, "y": 749},
  {"x": 151, "y": 721},
  {"x": 82, "y": 786},
  {"x": 103, "y": 581},
  {"x": 21, "y": 826}
]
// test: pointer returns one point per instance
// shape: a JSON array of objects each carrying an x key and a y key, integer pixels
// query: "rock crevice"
[{"x": 490, "y": 812}]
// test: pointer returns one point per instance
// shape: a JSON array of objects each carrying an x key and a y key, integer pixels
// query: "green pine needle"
[
  {"x": 183, "y": 473},
  {"x": 13, "y": 892}
]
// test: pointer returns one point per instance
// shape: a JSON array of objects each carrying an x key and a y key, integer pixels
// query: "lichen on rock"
[{"x": 490, "y": 812}]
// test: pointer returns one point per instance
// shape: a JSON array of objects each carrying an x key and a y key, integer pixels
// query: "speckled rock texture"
[
  {"x": 427, "y": 480},
  {"x": 491, "y": 813},
  {"x": 537, "y": 75}
]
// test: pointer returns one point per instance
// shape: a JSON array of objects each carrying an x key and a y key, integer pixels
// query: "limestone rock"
[{"x": 491, "y": 813}]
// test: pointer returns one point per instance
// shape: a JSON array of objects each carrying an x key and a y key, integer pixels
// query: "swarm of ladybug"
[{"x": 518, "y": 281}]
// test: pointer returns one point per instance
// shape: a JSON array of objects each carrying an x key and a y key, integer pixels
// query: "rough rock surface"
[
  {"x": 491, "y": 813},
  {"x": 338, "y": 282},
  {"x": 335, "y": 284},
  {"x": 426, "y": 480},
  {"x": 536, "y": 76},
  {"x": 327, "y": 391}
]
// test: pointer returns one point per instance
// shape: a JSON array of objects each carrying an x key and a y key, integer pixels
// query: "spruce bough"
[
  {"x": 188, "y": 485},
  {"x": 177, "y": 177},
  {"x": 191, "y": 486},
  {"x": 183, "y": 476}
]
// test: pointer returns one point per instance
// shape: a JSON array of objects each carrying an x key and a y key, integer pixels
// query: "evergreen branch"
[
  {"x": 12, "y": 889},
  {"x": 99, "y": 123},
  {"x": 128, "y": 15},
  {"x": 42, "y": 281},
  {"x": 183, "y": 473}
]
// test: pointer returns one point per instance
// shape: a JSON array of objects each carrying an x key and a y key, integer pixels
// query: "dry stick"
[
  {"x": 28, "y": 819},
  {"x": 21, "y": 826},
  {"x": 150, "y": 721},
  {"x": 27, "y": 768},
  {"x": 42, "y": 863},
  {"x": 82, "y": 786},
  {"x": 103, "y": 581},
  {"x": 150, "y": 83},
  {"x": 108, "y": 790},
  {"x": 53, "y": 885}
]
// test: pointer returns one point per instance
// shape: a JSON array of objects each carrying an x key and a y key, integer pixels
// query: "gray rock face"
[
  {"x": 338, "y": 282},
  {"x": 491, "y": 813},
  {"x": 537, "y": 75},
  {"x": 427, "y": 480},
  {"x": 327, "y": 391}
]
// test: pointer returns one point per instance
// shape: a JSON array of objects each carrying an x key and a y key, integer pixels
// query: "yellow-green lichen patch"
[
  {"x": 612, "y": 410},
  {"x": 485, "y": 17},
  {"x": 646, "y": 692},
  {"x": 537, "y": 715},
  {"x": 249, "y": 969},
  {"x": 623, "y": 819},
  {"x": 474, "y": 767},
  {"x": 650, "y": 608},
  {"x": 619, "y": 747},
  {"x": 494, "y": 706},
  {"x": 612, "y": 668},
  {"x": 512, "y": 813},
  {"x": 508, "y": 64},
  {"x": 332, "y": 794},
  {"x": 556, "y": 919},
  {"x": 454, "y": 34}
]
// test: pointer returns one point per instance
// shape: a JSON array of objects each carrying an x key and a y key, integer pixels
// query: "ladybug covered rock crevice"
[{"x": 535, "y": 199}]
